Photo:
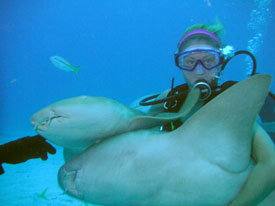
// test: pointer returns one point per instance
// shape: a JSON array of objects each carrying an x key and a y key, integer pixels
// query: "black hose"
[{"x": 243, "y": 52}]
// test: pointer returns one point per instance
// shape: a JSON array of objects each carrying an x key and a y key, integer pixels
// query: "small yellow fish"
[{"x": 62, "y": 64}]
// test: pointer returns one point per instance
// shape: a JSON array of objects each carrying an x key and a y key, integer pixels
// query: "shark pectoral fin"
[
  {"x": 151, "y": 121},
  {"x": 223, "y": 127}
]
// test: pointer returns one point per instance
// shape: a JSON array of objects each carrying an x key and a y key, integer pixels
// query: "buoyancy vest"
[{"x": 175, "y": 105}]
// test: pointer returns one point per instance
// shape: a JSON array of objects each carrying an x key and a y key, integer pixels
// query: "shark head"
[
  {"x": 42, "y": 120},
  {"x": 47, "y": 122},
  {"x": 74, "y": 122}
]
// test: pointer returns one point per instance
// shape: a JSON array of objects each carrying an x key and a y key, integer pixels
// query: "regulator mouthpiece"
[{"x": 204, "y": 88}]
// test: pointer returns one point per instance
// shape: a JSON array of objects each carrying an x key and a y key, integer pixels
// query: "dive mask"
[{"x": 208, "y": 58}]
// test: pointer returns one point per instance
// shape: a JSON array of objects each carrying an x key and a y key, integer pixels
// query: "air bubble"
[{"x": 256, "y": 26}]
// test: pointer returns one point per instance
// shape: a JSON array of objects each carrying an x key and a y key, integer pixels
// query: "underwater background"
[{"x": 125, "y": 50}]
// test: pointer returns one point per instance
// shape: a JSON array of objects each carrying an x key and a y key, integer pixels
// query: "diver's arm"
[
  {"x": 23, "y": 149},
  {"x": 158, "y": 108},
  {"x": 261, "y": 181}
]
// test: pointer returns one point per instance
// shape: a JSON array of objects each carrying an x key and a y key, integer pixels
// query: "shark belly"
[{"x": 141, "y": 168}]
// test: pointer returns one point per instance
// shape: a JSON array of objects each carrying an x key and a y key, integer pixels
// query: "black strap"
[{"x": 175, "y": 105}]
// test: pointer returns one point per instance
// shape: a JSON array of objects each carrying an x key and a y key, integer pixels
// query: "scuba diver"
[
  {"x": 201, "y": 57},
  {"x": 202, "y": 66}
]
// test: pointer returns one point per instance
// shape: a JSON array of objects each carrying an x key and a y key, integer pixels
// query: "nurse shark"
[
  {"x": 203, "y": 162},
  {"x": 81, "y": 121}
]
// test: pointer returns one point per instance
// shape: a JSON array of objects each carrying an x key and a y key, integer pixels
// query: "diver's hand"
[{"x": 24, "y": 149}]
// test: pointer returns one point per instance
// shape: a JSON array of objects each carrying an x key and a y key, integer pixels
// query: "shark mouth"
[{"x": 40, "y": 125}]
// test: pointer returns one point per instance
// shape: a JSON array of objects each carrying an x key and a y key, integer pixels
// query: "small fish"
[
  {"x": 62, "y": 64},
  {"x": 42, "y": 195}
]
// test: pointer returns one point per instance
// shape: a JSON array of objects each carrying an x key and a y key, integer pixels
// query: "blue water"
[{"x": 125, "y": 49}]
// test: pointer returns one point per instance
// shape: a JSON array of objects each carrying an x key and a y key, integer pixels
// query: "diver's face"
[{"x": 200, "y": 73}]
